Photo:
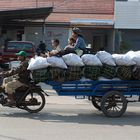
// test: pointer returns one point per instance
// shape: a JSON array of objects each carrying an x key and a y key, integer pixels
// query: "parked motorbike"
[{"x": 29, "y": 97}]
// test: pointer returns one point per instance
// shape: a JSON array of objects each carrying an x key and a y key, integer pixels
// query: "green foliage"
[{"x": 124, "y": 47}]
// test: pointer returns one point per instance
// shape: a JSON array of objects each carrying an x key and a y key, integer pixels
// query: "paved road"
[{"x": 65, "y": 118}]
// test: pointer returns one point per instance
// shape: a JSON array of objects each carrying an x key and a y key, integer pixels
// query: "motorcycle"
[{"x": 28, "y": 97}]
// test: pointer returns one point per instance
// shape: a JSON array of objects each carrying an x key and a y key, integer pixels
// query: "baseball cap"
[
  {"x": 77, "y": 30},
  {"x": 21, "y": 53}
]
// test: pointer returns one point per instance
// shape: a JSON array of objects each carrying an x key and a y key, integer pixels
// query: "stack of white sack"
[
  {"x": 72, "y": 60},
  {"x": 135, "y": 57},
  {"x": 57, "y": 62},
  {"x": 38, "y": 63},
  {"x": 91, "y": 60},
  {"x": 124, "y": 59},
  {"x": 106, "y": 58}
]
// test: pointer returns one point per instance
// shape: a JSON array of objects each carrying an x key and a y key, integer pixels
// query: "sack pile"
[
  {"x": 57, "y": 74},
  {"x": 124, "y": 72},
  {"x": 108, "y": 71},
  {"x": 92, "y": 72},
  {"x": 38, "y": 63},
  {"x": 125, "y": 64},
  {"x": 136, "y": 73},
  {"x": 73, "y": 73},
  {"x": 71, "y": 67},
  {"x": 41, "y": 75},
  {"x": 92, "y": 67}
]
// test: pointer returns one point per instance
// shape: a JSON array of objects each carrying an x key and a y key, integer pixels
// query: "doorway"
[{"x": 99, "y": 42}]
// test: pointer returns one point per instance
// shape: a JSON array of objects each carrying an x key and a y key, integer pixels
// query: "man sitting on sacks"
[
  {"x": 15, "y": 78},
  {"x": 79, "y": 44},
  {"x": 56, "y": 48},
  {"x": 71, "y": 43}
]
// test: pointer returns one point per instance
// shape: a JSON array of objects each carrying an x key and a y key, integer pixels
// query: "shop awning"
[
  {"x": 92, "y": 22},
  {"x": 24, "y": 14},
  {"x": 82, "y": 20}
]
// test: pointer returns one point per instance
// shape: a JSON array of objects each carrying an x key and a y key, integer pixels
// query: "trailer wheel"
[
  {"x": 113, "y": 104},
  {"x": 96, "y": 102}
]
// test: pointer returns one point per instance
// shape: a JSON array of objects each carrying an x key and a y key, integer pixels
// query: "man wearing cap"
[
  {"x": 77, "y": 35},
  {"x": 16, "y": 78}
]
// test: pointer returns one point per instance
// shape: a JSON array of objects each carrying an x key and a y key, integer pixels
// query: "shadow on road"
[
  {"x": 96, "y": 117},
  {"x": 10, "y": 138}
]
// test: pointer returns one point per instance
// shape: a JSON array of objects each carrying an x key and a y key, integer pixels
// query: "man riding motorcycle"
[{"x": 15, "y": 78}]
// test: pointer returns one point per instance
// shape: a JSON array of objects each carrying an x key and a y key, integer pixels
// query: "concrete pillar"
[
  {"x": 117, "y": 40},
  {"x": 70, "y": 32},
  {"x": 111, "y": 41}
]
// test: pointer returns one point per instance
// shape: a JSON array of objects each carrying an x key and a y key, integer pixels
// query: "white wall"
[
  {"x": 56, "y": 33},
  {"x": 35, "y": 35},
  {"x": 127, "y": 15}
]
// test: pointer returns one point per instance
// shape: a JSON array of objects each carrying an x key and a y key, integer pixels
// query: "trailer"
[{"x": 111, "y": 97}]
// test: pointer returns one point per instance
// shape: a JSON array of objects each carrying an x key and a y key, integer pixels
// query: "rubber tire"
[
  {"x": 94, "y": 103},
  {"x": 39, "y": 109},
  {"x": 116, "y": 114}
]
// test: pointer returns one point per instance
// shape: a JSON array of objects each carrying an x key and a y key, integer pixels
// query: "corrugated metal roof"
[
  {"x": 63, "y": 17},
  {"x": 24, "y": 14},
  {"x": 63, "y": 6},
  {"x": 66, "y": 10}
]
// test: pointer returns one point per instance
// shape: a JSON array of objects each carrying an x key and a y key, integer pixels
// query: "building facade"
[
  {"x": 127, "y": 25},
  {"x": 94, "y": 18}
]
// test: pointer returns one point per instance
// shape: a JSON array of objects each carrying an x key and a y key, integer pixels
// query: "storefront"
[
  {"x": 13, "y": 22},
  {"x": 99, "y": 34},
  {"x": 127, "y": 25},
  {"x": 95, "y": 19}
]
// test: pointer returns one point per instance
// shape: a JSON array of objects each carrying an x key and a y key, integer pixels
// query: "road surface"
[{"x": 65, "y": 118}]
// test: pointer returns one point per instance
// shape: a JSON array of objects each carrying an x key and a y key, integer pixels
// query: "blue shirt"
[{"x": 80, "y": 43}]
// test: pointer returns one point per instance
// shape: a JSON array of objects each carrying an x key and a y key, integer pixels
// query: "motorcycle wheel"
[{"x": 34, "y": 102}]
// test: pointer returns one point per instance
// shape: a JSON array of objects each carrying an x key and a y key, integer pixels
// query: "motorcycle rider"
[{"x": 16, "y": 78}]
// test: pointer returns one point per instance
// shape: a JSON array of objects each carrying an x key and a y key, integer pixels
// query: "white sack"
[
  {"x": 91, "y": 60},
  {"x": 38, "y": 63},
  {"x": 124, "y": 59},
  {"x": 57, "y": 62},
  {"x": 135, "y": 56},
  {"x": 106, "y": 58},
  {"x": 72, "y": 60}
]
